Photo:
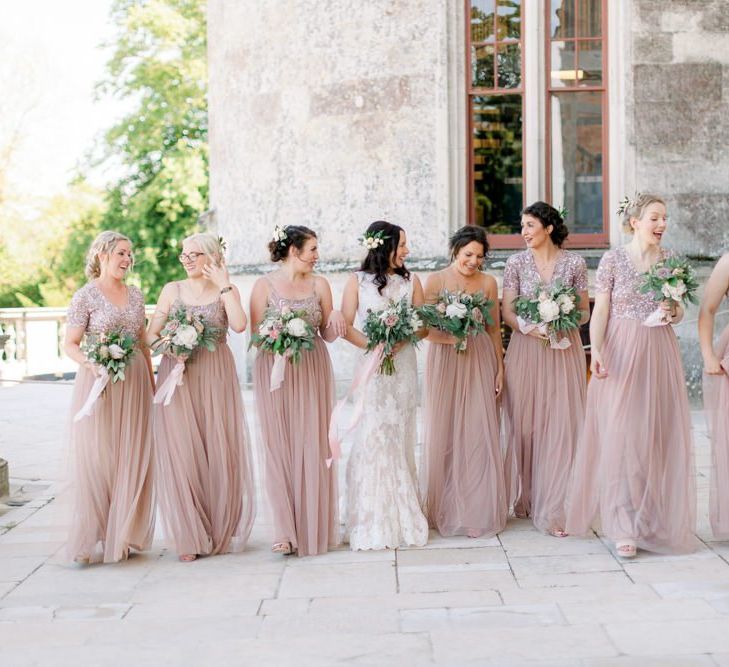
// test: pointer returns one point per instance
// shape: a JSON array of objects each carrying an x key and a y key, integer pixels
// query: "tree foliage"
[{"x": 159, "y": 68}]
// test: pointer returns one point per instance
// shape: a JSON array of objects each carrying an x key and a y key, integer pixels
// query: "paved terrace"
[{"x": 519, "y": 599}]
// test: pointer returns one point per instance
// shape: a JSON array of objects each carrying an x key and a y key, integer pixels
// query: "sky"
[{"x": 50, "y": 60}]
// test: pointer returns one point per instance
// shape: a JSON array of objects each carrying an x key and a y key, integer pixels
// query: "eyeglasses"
[{"x": 189, "y": 257}]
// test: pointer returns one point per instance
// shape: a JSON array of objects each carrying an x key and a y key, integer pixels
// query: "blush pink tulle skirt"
[
  {"x": 716, "y": 404},
  {"x": 294, "y": 421},
  {"x": 464, "y": 471},
  {"x": 544, "y": 399},
  {"x": 112, "y": 467},
  {"x": 634, "y": 473},
  {"x": 204, "y": 472}
]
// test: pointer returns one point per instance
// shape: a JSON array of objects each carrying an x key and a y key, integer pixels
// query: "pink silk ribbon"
[
  {"x": 656, "y": 319},
  {"x": 527, "y": 327},
  {"x": 98, "y": 387},
  {"x": 167, "y": 389},
  {"x": 362, "y": 377},
  {"x": 278, "y": 371}
]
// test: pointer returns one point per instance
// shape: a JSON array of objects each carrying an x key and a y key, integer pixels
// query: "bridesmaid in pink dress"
[
  {"x": 204, "y": 471},
  {"x": 544, "y": 392},
  {"x": 466, "y": 493},
  {"x": 716, "y": 395},
  {"x": 294, "y": 419},
  {"x": 634, "y": 468},
  {"x": 112, "y": 447}
]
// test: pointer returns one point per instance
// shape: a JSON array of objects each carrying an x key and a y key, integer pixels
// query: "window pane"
[
  {"x": 562, "y": 18},
  {"x": 483, "y": 66},
  {"x": 577, "y": 153},
  {"x": 589, "y": 18},
  {"x": 482, "y": 20},
  {"x": 509, "y": 65},
  {"x": 497, "y": 162},
  {"x": 589, "y": 63},
  {"x": 509, "y": 21},
  {"x": 563, "y": 65}
]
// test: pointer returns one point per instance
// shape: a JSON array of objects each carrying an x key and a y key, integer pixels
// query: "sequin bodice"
[
  {"x": 213, "y": 314},
  {"x": 617, "y": 275},
  {"x": 92, "y": 311},
  {"x": 311, "y": 305},
  {"x": 521, "y": 274}
]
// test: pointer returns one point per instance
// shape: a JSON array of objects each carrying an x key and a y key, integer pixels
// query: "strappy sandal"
[
  {"x": 558, "y": 532},
  {"x": 283, "y": 548},
  {"x": 188, "y": 558},
  {"x": 82, "y": 559},
  {"x": 625, "y": 548}
]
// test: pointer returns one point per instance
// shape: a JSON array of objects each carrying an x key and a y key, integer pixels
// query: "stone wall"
[
  {"x": 680, "y": 116},
  {"x": 330, "y": 115}
]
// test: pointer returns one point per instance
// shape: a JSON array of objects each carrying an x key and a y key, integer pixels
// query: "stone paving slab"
[{"x": 520, "y": 599}]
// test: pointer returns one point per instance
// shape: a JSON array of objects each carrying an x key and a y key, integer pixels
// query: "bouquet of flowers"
[
  {"x": 285, "y": 333},
  {"x": 672, "y": 279},
  {"x": 184, "y": 332},
  {"x": 111, "y": 352},
  {"x": 552, "y": 310},
  {"x": 398, "y": 322},
  {"x": 459, "y": 314}
]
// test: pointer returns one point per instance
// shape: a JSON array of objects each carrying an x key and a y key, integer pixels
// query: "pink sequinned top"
[
  {"x": 91, "y": 310},
  {"x": 522, "y": 276},
  {"x": 617, "y": 275},
  {"x": 311, "y": 305}
]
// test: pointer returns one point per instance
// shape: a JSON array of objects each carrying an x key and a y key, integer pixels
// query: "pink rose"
[
  {"x": 274, "y": 333},
  {"x": 441, "y": 308},
  {"x": 172, "y": 326},
  {"x": 477, "y": 315},
  {"x": 391, "y": 321}
]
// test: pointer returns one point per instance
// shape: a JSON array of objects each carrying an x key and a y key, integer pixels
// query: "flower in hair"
[
  {"x": 563, "y": 212},
  {"x": 222, "y": 245},
  {"x": 279, "y": 235},
  {"x": 373, "y": 240},
  {"x": 626, "y": 203}
]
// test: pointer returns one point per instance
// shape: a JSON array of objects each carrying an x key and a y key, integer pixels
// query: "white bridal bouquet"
[{"x": 552, "y": 310}]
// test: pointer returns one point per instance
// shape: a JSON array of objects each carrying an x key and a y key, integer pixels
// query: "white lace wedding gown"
[{"x": 383, "y": 510}]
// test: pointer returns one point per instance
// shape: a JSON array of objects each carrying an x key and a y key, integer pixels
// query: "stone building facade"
[{"x": 434, "y": 113}]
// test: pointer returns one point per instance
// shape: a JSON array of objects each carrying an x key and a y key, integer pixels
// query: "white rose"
[
  {"x": 104, "y": 352},
  {"x": 458, "y": 310},
  {"x": 415, "y": 322},
  {"x": 185, "y": 336},
  {"x": 566, "y": 304},
  {"x": 285, "y": 310},
  {"x": 548, "y": 310},
  {"x": 677, "y": 292},
  {"x": 296, "y": 327},
  {"x": 543, "y": 296},
  {"x": 116, "y": 352},
  {"x": 666, "y": 290}
]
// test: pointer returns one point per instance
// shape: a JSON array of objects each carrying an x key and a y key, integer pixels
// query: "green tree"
[{"x": 159, "y": 68}]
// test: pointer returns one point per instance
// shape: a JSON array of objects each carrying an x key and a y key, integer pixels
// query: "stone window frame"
[{"x": 619, "y": 168}]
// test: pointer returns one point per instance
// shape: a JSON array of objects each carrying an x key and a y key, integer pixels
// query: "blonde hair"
[
  {"x": 209, "y": 244},
  {"x": 635, "y": 208},
  {"x": 103, "y": 244}
]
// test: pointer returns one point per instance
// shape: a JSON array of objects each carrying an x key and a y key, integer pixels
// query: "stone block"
[
  {"x": 4, "y": 478},
  {"x": 701, "y": 47},
  {"x": 667, "y": 84},
  {"x": 652, "y": 48}
]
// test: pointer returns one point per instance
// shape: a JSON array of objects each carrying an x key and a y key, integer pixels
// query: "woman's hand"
[
  {"x": 536, "y": 333},
  {"x": 712, "y": 365},
  {"x": 597, "y": 366},
  {"x": 337, "y": 323},
  {"x": 672, "y": 311},
  {"x": 499, "y": 380},
  {"x": 217, "y": 274},
  {"x": 94, "y": 368}
]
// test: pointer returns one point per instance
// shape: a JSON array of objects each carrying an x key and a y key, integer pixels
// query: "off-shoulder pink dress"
[
  {"x": 716, "y": 404},
  {"x": 544, "y": 401},
  {"x": 204, "y": 468},
  {"x": 111, "y": 448},
  {"x": 294, "y": 419},
  {"x": 634, "y": 472}
]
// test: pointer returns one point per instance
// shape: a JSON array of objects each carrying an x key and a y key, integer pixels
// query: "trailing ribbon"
[
  {"x": 361, "y": 378},
  {"x": 98, "y": 387},
  {"x": 167, "y": 389},
  {"x": 278, "y": 370},
  {"x": 527, "y": 327},
  {"x": 656, "y": 319}
]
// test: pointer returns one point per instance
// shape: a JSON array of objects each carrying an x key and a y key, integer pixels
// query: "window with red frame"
[{"x": 574, "y": 159}]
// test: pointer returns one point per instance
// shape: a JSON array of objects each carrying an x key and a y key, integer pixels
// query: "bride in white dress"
[{"x": 383, "y": 510}]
